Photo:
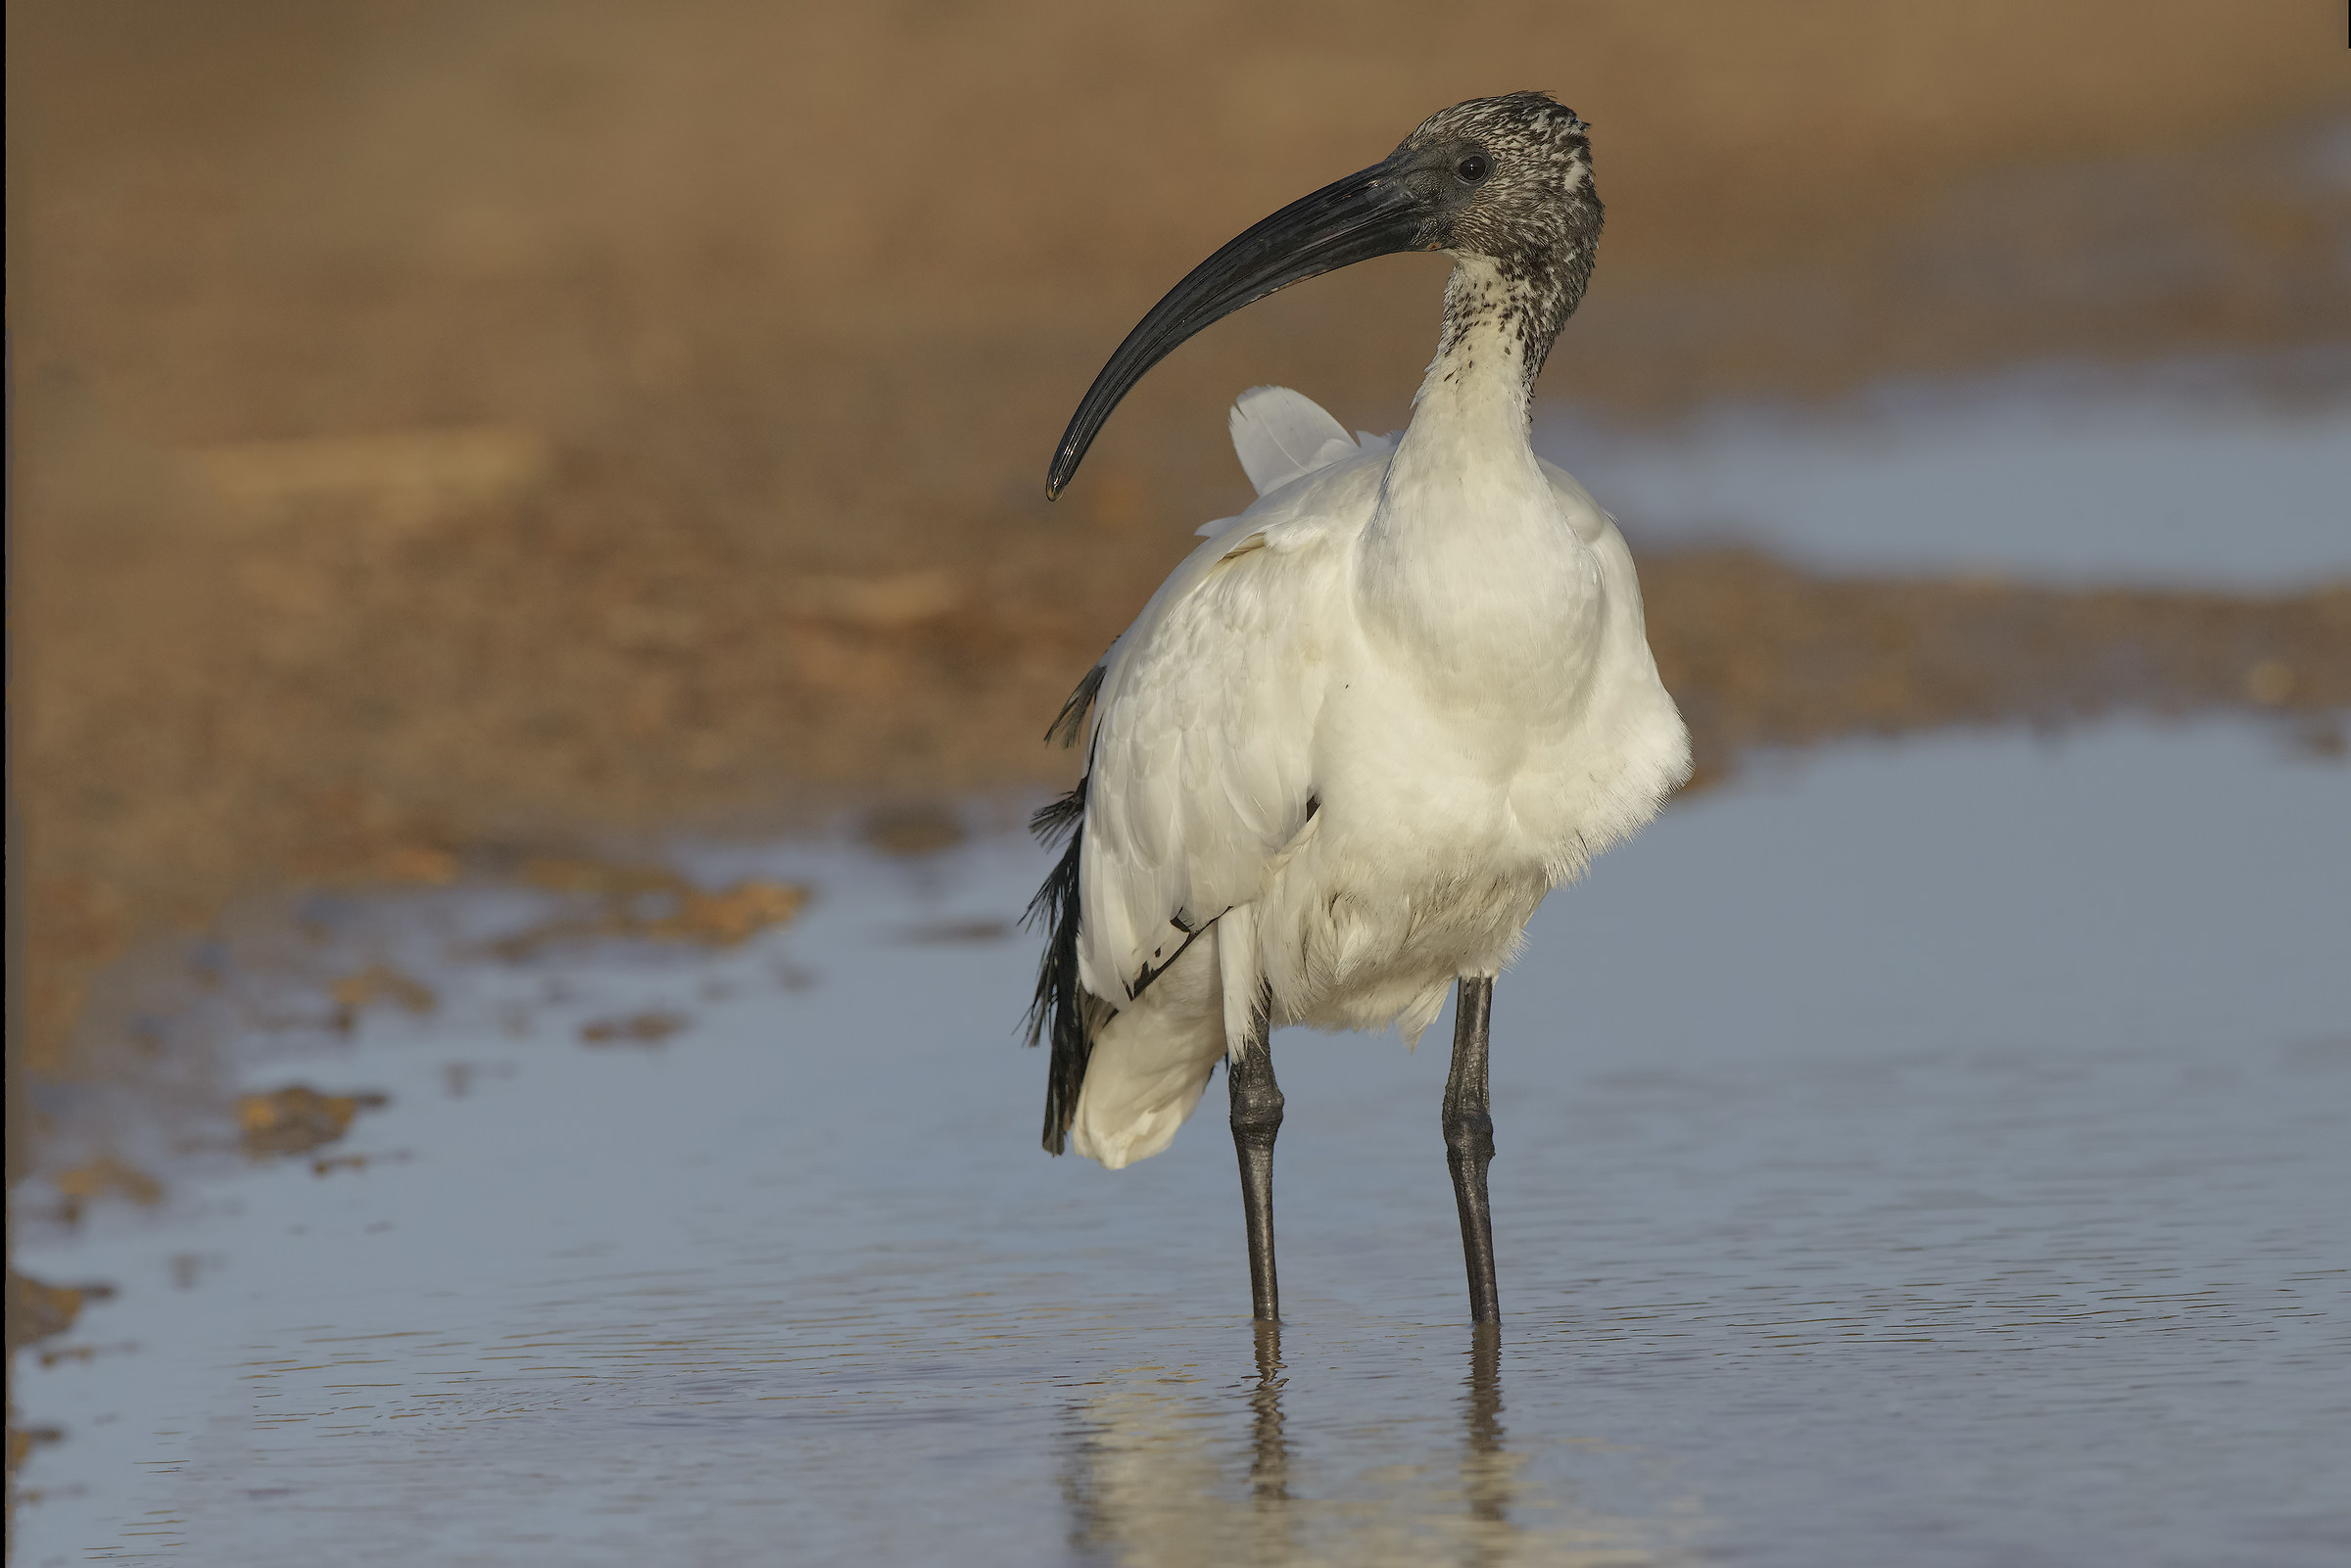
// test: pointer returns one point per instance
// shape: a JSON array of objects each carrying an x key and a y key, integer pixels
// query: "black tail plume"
[
  {"x": 1071, "y": 719},
  {"x": 1060, "y": 1009}
]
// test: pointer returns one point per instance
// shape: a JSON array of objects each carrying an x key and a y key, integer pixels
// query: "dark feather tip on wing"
[
  {"x": 1070, "y": 720},
  {"x": 1051, "y": 822},
  {"x": 1061, "y": 1010}
]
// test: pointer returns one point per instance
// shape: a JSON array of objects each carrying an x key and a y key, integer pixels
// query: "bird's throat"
[
  {"x": 1503, "y": 320},
  {"x": 1470, "y": 417},
  {"x": 1468, "y": 576}
]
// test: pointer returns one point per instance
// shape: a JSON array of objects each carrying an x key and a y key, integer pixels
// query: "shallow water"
[
  {"x": 1928, "y": 1154},
  {"x": 2181, "y": 474}
]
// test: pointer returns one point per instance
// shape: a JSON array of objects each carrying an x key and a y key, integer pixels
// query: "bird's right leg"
[
  {"x": 1469, "y": 1140},
  {"x": 1256, "y": 1119}
]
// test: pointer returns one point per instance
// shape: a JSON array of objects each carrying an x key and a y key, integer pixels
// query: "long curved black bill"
[{"x": 1368, "y": 214}]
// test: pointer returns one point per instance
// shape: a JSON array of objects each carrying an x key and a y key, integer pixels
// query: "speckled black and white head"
[
  {"x": 1520, "y": 207},
  {"x": 1504, "y": 184}
]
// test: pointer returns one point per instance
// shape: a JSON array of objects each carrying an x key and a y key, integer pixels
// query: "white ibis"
[{"x": 1345, "y": 750}]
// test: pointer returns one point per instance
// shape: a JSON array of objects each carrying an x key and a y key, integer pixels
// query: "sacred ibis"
[{"x": 1347, "y": 746}]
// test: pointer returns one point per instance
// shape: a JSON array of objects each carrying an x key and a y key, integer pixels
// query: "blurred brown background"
[{"x": 451, "y": 425}]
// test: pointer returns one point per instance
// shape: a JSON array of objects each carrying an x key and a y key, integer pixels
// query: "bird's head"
[
  {"x": 1504, "y": 181},
  {"x": 1509, "y": 179}
]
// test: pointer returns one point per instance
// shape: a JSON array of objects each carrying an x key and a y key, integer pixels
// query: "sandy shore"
[{"x": 449, "y": 426}]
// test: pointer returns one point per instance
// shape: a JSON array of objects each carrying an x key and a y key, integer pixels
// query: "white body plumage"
[{"x": 1354, "y": 740}]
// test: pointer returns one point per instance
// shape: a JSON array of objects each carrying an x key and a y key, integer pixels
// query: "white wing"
[
  {"x": 1280, "y": 435},
  {"x": 1199, "y": 766}
]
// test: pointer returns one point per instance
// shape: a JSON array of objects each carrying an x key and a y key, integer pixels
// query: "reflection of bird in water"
[
  {"x": 1270, "y": 1449},
  {"x": 1351, "y": 742},
  {"x": 1485, "y": 1469},
  {"x": 1158, "y": 1475}
]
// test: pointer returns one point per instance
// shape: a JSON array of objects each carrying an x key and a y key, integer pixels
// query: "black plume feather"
[
  {"x": 1060, "y": 1009},
  {"x": 1072, "y": 718}
]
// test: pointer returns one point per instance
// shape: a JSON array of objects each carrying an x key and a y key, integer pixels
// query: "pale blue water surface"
[
  {"x": 1925, "y": 1153},
  {"x": 2178, "y": 475}
]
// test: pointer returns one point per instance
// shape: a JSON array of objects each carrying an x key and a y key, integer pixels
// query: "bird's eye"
[{"x": 1474, "y": 168}]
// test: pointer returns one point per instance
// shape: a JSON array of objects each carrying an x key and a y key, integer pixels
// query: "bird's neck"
[
  {"x": 1501, "y": 323},
  {"x": 1470, "y": 417},
  {"x": 1467, "y": 573}
]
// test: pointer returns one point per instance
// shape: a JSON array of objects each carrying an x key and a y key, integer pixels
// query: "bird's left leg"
[
  {"x": 1469, "y": 1140},
  {"x": 1256, "y": 1121}
]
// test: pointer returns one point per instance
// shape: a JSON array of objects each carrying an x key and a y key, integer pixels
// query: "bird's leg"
[
  {"x": 1469, "y": 1140},
  {"x": 1256, "y": 1119}
]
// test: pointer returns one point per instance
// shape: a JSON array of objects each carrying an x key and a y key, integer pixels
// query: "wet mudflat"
[{"x": 1927, "y": 1153}]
